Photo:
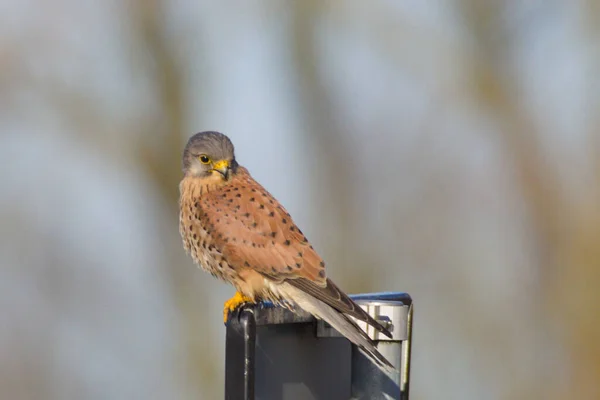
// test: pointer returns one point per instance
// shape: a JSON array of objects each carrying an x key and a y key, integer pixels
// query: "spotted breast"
[{"x": 196, "y": 230}]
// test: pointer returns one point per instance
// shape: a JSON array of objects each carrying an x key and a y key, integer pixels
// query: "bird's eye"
[{"x": 204, "y": 159}]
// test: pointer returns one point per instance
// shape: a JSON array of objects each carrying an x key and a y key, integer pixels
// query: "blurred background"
[{"x": 447, "y": 149}]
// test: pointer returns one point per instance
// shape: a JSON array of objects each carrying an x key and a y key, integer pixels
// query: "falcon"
[{"x": 237, "y": 231}]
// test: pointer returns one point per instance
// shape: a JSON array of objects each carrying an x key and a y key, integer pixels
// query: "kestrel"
[{"x": 236, "y": 230}]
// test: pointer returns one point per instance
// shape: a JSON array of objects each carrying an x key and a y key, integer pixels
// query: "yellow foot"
[{"x": 230, "y": 305}]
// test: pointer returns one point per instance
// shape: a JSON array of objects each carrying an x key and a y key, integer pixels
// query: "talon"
[{"x": 233, "y": 303}]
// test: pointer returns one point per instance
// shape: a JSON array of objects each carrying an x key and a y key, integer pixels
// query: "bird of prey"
[{"x": 235, "y": 229}]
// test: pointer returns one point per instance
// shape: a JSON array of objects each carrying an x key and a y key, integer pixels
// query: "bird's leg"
[{"x": 230, "y": 305}]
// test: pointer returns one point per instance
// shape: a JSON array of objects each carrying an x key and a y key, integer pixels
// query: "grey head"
[{"x": 208, "y": 153}]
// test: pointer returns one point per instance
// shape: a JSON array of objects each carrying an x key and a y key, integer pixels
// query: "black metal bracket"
[{"x": 240, "y": 349}]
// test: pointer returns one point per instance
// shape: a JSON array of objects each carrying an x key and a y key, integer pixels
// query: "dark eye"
[{"x": 204, "y": 159}]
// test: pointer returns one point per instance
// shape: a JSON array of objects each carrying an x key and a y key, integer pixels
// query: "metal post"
[{"x": 273, "y": 353}]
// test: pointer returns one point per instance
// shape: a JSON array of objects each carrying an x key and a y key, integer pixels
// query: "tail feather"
[
  {"x": 342, "y": 323},
  {"x": 334, "y": 297}
]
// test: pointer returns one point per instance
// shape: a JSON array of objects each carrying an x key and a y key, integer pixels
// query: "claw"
[{"x": 233, "y": 303}]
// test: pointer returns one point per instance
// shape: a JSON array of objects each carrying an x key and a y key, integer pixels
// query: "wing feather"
[
  {"x": 252, "y": 228},
  {"x": 335, "y": 298}
]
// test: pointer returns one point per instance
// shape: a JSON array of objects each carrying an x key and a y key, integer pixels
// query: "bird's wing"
[{"x": 253, "y": 230}]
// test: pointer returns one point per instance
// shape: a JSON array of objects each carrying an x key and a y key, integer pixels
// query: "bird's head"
[{"x": 209, "y": 154}]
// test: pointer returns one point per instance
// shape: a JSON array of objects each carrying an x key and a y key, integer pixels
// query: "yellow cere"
[{"x": 221, "y": 165}]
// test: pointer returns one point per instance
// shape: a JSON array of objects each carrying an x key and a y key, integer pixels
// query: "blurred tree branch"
[
  {"x": 567, "y": 231},
  {"x": 329, "y": 141},
  {"x": 160, "y": 148}
]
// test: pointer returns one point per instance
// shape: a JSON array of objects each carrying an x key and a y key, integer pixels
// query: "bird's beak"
[{"x": 222, "y": 167}]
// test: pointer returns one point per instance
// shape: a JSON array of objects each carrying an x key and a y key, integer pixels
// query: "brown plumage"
[{"x": 236, "y": 230}]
